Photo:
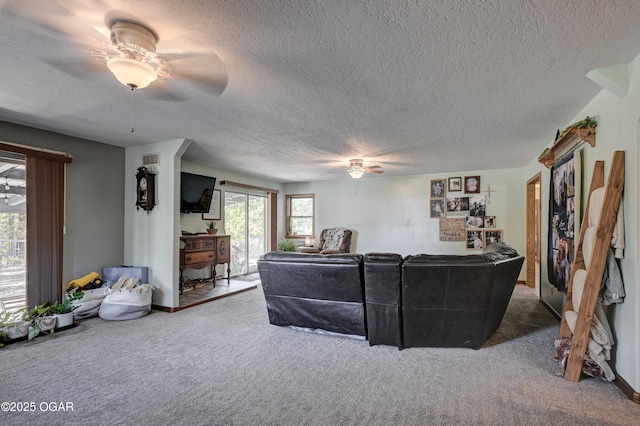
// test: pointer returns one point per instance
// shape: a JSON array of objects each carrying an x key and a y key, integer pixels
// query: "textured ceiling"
[{"x": 302, "y": 87}]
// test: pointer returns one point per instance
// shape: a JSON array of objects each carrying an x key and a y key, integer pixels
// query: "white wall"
[
  {"x": 617, "y": 130},
  {"x": 192, "y": 222},
  {"x": 152, "y": 239},
  {"x": 392, "y": 214}
]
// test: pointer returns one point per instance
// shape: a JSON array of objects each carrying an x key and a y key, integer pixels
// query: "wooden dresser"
[{"x": 202, "y": 251}]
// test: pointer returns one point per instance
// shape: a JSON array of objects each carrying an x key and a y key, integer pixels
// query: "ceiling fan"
[
  {"x": 128, "y": 48},
  {"x": 357, "y": 169}
]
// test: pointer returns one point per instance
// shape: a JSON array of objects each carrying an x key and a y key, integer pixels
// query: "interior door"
[{"x": 245, "y": 217}]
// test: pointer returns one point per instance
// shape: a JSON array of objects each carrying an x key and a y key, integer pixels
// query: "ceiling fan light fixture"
[
  {"x": 130, "y": 72},
  {"x": 356, "y": 173}
]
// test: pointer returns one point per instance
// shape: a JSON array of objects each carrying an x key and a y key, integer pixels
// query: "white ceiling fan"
[
  {"x": 356, "y": 169},
  {"x": 131, "y": 50}
]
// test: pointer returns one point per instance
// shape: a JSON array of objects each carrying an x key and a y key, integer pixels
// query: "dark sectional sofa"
[{"x": 415, "y": 301}]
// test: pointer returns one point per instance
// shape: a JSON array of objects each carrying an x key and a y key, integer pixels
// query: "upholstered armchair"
[{"x": 333, "y": 240}]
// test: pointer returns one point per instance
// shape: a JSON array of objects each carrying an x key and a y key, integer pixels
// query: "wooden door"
[{"x": 534, "y": 211}]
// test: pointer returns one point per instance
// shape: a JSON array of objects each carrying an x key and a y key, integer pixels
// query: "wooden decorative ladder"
[{"x": 604, "y": 231}]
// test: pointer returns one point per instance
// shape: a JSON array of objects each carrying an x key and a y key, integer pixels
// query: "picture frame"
[
  {"x": 493, "y": 236},
  {"x": 438, "y": 208},
  {"x": 215, "y": 210},
  {"x": 472, "y": 184},
  {"x": 455, "y": 184},
  {"x": 438, "y": 188},
  {"x": 477, "y": 205},
  {"x": 458, "y": 207},
  {"x": 490, "y": 222},
  {"x": 474, "y": 222},
  {"x": 475, "y": 239}
]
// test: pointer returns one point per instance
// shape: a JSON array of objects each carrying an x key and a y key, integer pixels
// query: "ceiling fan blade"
[
  {"x": 374, "y": 171},
  {"x": 54, "y": 20},
  {"x": 159, "y": 91},
  {"x": 82, "y": 69},
  {"x": 207, "y": 71},
  {"x": 373, "y": 167}
]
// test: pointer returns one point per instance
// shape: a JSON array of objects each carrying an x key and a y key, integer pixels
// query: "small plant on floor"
[
  {"x": 36, "y": 315},
  {"x": 66, "y": 307},
  {"x": 286, "y": 245}
]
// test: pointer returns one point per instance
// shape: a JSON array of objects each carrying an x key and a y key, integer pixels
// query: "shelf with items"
[{"x": 572, "y": 138}]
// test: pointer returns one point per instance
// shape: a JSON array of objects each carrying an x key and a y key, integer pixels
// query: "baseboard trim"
[{"x": 627, "y": 389}]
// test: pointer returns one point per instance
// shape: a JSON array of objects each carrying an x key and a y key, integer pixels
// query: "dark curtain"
[{"x": 45, "y": 221}]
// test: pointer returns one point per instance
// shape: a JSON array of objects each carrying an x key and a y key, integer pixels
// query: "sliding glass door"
[
  {"x": 245, "y": 220},
  {"x": 13, "y": 232}
]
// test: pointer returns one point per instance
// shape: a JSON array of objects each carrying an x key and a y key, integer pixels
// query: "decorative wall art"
[
  {"x": 463, "y": 217},
  {"x": 475, "y": 240},
  {"x": 438, "y": 188},
  {"x": 490, "y": 222},
  {"x": 563, "y": 203},
  {"x": 215, "y": 210},
  {"x": 493, "y": 236},
  {"x": 474, "y": 222},
  {"x": 452, "y": 229},
  {"x": 458, "y": 207},
  {"x": 455, "y": 184},
  {"x": 437, "y": 207},
  {"x": 472, "y": 184},
  {"x": 477, "y": 205}
]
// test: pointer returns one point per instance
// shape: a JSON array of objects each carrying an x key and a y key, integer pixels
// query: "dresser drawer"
[
  {"x": 199, "y": 244},
  {"x": 191, "y": 258}
]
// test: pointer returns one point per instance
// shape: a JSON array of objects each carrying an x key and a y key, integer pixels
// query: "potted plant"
[
  {"x": 64, "y": 311},
  {"x": 286, "y": 245},
  {"x": 211, "y": 227},
  {"x": 14, "y": 325},
  {"x": 42, "y": 319}
]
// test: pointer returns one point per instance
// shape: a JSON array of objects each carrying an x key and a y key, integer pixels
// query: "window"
[{"x": 300, "y": 221}]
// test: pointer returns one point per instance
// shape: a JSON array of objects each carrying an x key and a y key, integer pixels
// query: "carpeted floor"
[{"x": 222, "y": 363}]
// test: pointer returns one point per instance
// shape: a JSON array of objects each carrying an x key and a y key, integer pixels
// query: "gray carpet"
[{"x": 222, "y": 363}]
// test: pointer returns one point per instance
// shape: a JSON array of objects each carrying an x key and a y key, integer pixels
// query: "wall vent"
[{"x": 151, "y": 159}]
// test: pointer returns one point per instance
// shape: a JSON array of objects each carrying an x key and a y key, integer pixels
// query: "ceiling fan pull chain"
[{"x": 131, "y": 129}]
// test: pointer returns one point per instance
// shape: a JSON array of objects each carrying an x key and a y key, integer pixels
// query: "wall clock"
[{"x": 145, "y": 189}]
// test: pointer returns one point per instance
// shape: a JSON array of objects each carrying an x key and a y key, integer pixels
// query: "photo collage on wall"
[{"x": 462, "y": 211}]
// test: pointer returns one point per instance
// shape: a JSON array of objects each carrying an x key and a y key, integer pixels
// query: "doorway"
[
  {"x": 245, "y": 220},
  {"x": 534, "y": 224}
]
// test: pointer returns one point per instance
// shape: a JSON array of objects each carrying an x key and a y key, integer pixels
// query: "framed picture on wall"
[
  {"x": 472, "y": 184},
  {"x": 215, "y": 211},
  {"x": 438, "y": 188},
  {"x": 437, "y": 208},
  {"x": 490, "y": 222},
  {"x": 458, "y": 207},
  {"x": 475, "y": 240},
  {"x": 474, "y": 222},
  {"x": 455, "y": 184},
  {"x": 493, "y": 236}
]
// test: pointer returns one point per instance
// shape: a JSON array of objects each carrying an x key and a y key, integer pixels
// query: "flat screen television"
[{"x": 196, "y": 192}]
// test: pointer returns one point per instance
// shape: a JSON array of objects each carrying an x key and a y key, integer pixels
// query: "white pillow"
[
  {"x": 579, "y": 278},
  {"x": 587, "y": 244}
]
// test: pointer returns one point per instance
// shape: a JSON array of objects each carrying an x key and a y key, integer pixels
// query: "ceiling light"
[
  {"x": 356, "y": 172},
  {"x": 131, "y": 72}
]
